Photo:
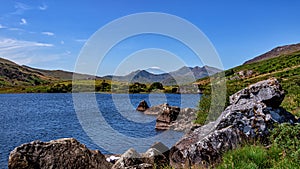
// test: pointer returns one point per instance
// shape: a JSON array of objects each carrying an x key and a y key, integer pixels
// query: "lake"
[{"x": 107, "y": 122}]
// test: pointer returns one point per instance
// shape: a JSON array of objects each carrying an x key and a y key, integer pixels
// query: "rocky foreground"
[{"x": 251, "y": 114}]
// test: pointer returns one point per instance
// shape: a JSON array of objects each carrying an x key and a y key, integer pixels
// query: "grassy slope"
[
  {"x": 285, "y": 68},
  {"x": 284, "y": 148},
  {"x": 12, "y": 74}
]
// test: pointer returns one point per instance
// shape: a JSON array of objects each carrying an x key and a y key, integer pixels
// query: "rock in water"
[
  {"x": 143, "y": 106},
  {"x": 252, "y": 114},
  {"x": 65, "y": 153},
  {"x": 155, "y": 110},
  {"x": 168, "y": 115}
]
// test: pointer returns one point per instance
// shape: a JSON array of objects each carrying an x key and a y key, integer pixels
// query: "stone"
[
  {"x": 150, "y": 159},
  {"x": 143, "y": 106},
  {"x": 62, "y": 153},
  {"x": 161, "y": 147},
  {"x": 182, "y": 119},
  {"x": 251, "y": 114},
  {"x": 130, "y": 158},
  {"x": 155, "y": 110},
  {"x": 154, "y": 157},
  {"x": 168, "y": 115}
]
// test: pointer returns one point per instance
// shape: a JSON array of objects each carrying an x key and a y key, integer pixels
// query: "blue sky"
[{"x": 50, "y": 34}]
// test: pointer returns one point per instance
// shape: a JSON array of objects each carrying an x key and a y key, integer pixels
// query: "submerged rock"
[
  {"x": 63, "y": 153},
  {"x": 143, "y": 106},
  {"x": 252, "y": 114}
]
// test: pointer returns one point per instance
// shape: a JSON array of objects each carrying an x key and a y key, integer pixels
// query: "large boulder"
[
  {"x": 184, "y": 120},
  {"x": 168, "y": 115},
  {"x": 252, "y": 114},
  {"x": 143, "y": 106},
  {"x": 61, "y": 154}
]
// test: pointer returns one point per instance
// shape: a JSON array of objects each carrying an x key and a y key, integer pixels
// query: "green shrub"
[{"x": 204, "y": 107}]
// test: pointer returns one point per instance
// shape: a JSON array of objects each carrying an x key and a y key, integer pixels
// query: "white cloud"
[
  {"x": 16, "y": 29},
  {"x": 23, "y": 22},
  {"x": 62, "y": 42},
  {"x": 8, "y": 43},
  {"x": 48, "y": 33},
  {"x": 20, "y": 51},
  {"x": 81, "y": 40},
  {"x": 154, "y": 67},
  {"x": 20, "y": 8},
  {"x": 43, "y": 7}
]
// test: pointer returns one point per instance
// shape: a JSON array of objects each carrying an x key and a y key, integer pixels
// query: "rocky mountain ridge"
[
  {"x": 276, "y": 52},
  {"x": 183, "y": 75}
]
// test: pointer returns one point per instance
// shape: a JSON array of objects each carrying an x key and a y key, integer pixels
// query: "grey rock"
[
  {"x": 128, "y": 159},
  {"x": 133, "y": 160},
  {"x": 184, "y": 120},
  {"x": 61, "y": 154},
  {"x": 252, "y": 114},
  {"x": 267, "y": 91},
  {"x": 161, "y": 147},
  {"x": 154, "y": 157}
]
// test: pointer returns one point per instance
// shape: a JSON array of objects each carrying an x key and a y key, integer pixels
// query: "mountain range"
[
  {"x": 181, "y": 76},
  {"x": 12, "y": 74}
]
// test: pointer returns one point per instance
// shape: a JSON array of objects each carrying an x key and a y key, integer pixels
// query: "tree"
[
  {"x": 137, "y": 88},
  {"x": 156, "y": 85}
]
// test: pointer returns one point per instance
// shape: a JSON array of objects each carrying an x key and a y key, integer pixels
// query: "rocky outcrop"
[
  {"x": 252, "y": 114},
  {"x": 143, "y": 106},
  {"x": 62, "y": 153},
  {"x": 168, "y": 115}
]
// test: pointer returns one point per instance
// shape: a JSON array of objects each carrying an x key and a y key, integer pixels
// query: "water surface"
[{"x": 45, "y": 117}]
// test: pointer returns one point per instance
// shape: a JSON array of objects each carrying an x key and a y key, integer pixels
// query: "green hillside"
[
  {"x": 12, "y": 74},
  {"x": 285, "y": 68}
]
